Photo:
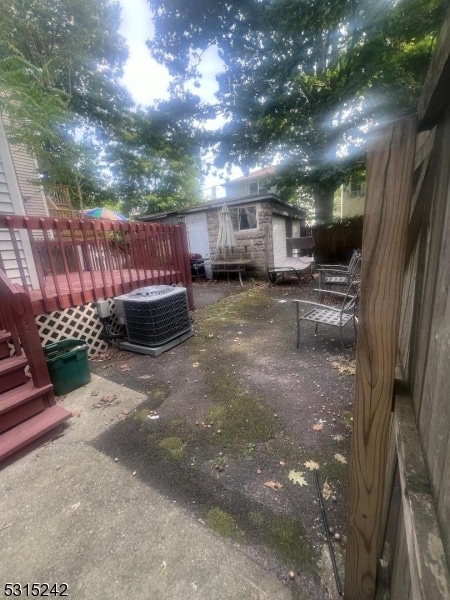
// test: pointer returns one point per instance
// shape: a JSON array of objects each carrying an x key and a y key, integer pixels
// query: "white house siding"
[
  {"x": 31, "y": 192},
  {"x": 11, "y": 203},
  {"x": 6, "y": 206},
  {"x": 351, "y": 204}
]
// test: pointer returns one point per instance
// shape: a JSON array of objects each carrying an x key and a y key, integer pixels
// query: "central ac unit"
[{"x": 156, "y": 318}]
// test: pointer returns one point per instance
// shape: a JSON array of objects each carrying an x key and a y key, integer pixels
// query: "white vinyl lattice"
[{"x": 75, "y": 323}]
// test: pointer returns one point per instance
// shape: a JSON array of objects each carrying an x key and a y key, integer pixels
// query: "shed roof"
[{"x": 279, "y": 206}]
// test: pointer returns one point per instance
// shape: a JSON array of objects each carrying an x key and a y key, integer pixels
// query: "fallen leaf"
[
  {"x": 195, "y": 365},
  {"x": 122, "y": 416},
  {"x": 317, "y": 426},
  {"x": 76, "y": 413},
  {"x": 144, "y": 377},
  {"x": 274, "y": 485},
  {"x": 340, "y": 458},
  {"x": 106, "y": 401},
  {"x": 297, "y": 477},
  {"x": 345, "y": 367},
  {"x": 311, "y": 465},
  {"x": 326, "y": 490},
  {"x": 338, "y": 437}
]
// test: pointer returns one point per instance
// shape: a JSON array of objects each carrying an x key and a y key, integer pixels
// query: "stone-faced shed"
[{"x": 262, "y": 225}]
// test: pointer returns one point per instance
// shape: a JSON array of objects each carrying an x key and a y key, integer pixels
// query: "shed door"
[
  {"x": 197, "y": 233},
  {"x": 279, "y": 239}
]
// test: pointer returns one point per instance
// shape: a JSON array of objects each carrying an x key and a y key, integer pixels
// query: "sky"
[{"x": 148, "y": 81}]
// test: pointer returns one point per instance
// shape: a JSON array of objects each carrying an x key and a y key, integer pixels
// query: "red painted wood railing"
[
  {"x": 17, "y": 318},
  {"x": 78, "y": 261}
]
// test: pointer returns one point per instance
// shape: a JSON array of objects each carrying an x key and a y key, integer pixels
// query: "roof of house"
[
  {"x": 266, "y": 172},
  {"x": 279, "y": 205}
]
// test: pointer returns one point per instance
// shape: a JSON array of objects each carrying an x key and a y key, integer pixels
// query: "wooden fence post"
[{"x": 390, "y": 164}]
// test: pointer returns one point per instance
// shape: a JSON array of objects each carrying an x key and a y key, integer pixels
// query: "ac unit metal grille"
[{"x": 154, "y": 315}]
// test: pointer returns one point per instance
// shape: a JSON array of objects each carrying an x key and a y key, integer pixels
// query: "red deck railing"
[
  {"x": 17, "y": 319},
  {"x": 78, "y": 261}
]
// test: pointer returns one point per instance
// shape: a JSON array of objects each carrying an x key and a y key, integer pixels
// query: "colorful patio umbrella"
[
  {"x": 226, "y": 237},
  {"x": 102, "y": 212}
]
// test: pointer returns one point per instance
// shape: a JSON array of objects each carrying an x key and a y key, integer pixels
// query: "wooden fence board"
[
  {"x": 435, "y": 95},
  {"x": 424, "y": 364},
  {"x": 390, "y": 164},
  {"x": 407, "y": 314},
  {"x": 430, "y": 579},
  {"x": 401, "y": 578}
]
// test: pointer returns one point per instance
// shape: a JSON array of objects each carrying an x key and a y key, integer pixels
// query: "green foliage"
[
  {"x": 60, "y": 67},
  {"x": 302, "y": 80}
]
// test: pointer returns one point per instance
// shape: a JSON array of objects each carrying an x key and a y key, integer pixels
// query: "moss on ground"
[
  {"x": 174, "y": 447},
  {"x": 240, "y": 416},
  {"x": 224, "y": 524},
  {"x": 243, "y": 420},
  {"x": 285, "y": 536}
]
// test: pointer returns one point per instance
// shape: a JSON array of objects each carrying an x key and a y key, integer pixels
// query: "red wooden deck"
[
  {"x": 78, "y": 261},
  {"x": 75, "y": 289}
]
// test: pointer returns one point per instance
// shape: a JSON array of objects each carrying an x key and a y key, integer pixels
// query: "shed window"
[{"x": 244, "y": 218}]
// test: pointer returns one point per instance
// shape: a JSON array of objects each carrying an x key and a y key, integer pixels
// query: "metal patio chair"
[
  {"x": 338, "y": 275},
  {"x": 337, "y": 316}
]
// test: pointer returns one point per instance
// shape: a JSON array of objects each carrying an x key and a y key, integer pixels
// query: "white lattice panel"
[{"x": 75, "y": 323}]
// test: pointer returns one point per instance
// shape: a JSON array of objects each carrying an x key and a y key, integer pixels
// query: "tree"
[
  {"x": 60, "y": 68},
  {"x": 156, "y": 166},
  {"x": 303, "y": 80}
]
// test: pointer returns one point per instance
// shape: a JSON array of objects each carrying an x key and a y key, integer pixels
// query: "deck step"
[
  {"x": 5, "y": 336},
  {"x": 12, "y": 372},
  {"x": 39, "y": 426},
  {"x": 21, "y": 403}
]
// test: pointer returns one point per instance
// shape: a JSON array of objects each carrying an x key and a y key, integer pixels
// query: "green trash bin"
[{"x": 68, "y": 365}]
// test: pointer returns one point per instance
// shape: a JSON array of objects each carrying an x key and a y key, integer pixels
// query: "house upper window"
[
  {"x": 356, "y": 188},
  {"x": 257, "y": 187},
  {"x": 244, "y": 218}
]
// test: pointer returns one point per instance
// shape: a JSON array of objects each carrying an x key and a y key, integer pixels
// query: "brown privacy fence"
[
  {"x": 398, "y": 543},
  {"x": 335, "y": 241},
  {"x": 71, "y": 262}
]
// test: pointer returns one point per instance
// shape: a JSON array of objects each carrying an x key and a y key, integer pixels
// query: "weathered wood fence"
[
  {"x": 399, "y": 514},
  {"x": 336, "y": 241}
]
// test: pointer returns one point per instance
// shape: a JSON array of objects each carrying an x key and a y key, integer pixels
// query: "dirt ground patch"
[{"x": 235, "y": 421}]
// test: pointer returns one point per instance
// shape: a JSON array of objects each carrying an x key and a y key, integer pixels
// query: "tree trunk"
[
  {"x": 80, "y": 195},
  {"x": 323, "y": 204}
]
